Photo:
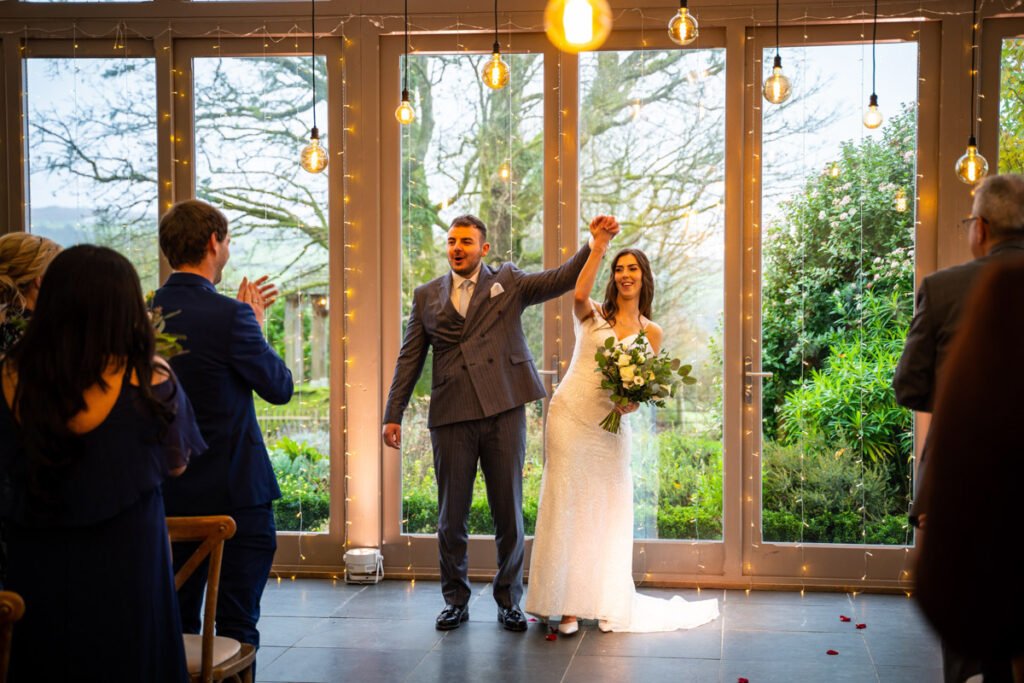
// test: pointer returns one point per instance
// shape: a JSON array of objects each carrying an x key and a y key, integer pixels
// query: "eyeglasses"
[{"x": 965, "y": 223}]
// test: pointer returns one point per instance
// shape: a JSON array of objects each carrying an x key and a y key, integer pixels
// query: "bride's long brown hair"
[{"x": 611, "y": 292}]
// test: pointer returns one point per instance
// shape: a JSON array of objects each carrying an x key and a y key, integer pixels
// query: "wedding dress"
[{"x": 582, "y": 559}]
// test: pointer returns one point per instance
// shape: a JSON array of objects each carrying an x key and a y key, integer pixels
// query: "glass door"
[{"x": 830, "y": 292}]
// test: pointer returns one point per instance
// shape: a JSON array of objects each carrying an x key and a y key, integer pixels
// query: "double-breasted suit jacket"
[{"x": 482, "y": 365}]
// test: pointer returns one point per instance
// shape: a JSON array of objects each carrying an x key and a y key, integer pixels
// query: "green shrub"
[
  {"x": 678, "y": 521},
  {"x": 303, "y": 505},
  {"x": 830, "y": 495},
  {"x": 303, "y": 473}
]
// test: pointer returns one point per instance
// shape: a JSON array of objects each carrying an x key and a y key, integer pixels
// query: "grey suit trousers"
[{"x": 499, "y": 444}]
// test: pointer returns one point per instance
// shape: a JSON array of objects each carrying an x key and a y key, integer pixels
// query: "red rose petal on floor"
[
  {"x": 551, "y": 636},
  {"x": 741, "y": 679},
  {"x": 862, "y": 625},
  {"x": 832, "y": 652},
  {"x": 844, "y": 618}
]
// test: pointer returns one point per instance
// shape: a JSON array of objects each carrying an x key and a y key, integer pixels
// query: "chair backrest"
[
  {"x": 210, "y": 532},
  {"x": 11, "y": 609}
]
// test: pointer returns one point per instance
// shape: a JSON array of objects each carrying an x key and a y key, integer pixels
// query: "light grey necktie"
[{"x": 465, "y": 294}]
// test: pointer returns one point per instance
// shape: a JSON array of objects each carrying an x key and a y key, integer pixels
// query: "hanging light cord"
[
  {"x": 405, "y": 71},
  {"x": 776, "y": 28},
  {"x": 312, "y": 53},
  {"x": 974, "y": 70},
  {"x": 874, "y": 38},
  {"x": 496, "y": 45}
]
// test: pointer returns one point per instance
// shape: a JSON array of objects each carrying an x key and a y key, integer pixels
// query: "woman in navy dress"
[{"x": 91, "y": 423}]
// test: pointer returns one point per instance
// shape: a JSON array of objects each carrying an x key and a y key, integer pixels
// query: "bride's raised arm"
[{"x": 602, "y": 229}]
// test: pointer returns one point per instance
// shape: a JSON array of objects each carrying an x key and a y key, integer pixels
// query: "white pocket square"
[{"x": 496, "y": 289}]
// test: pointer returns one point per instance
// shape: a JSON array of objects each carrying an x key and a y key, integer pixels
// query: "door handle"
[
  {"x": 553, "y": 373},
  {"x": 748, "y": 378}
]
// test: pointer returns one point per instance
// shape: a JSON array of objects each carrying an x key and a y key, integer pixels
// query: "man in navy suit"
[{"x": 227, "y": 358}]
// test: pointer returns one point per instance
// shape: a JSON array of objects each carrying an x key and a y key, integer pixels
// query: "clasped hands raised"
[
  {"x": 603, "y": 229},
  {"x": 259, "y": 294}
]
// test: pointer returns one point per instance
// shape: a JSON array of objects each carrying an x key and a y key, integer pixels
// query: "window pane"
[
  {"x": 1011, "y": 107},
  {"x": 652, "y": 153},
  {"x": 91, "y": 146},
  {"x": 470, "y": 150},
  {"x": 838, "y": 205},
  {"x": 252, "y": 118}
]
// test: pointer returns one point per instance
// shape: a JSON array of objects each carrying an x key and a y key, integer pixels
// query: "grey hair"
[{"x": 1000, "y": 201}]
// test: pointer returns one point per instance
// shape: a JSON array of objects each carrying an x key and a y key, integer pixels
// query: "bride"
[{"x": 582, "y": 560}]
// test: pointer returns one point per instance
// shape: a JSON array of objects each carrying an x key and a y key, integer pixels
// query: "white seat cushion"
[{"x": 223, "y": 650}]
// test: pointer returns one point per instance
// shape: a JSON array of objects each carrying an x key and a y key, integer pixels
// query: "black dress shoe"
[
  {"x": 451, "y": 617},
  {"x": 512, "y": 618}
]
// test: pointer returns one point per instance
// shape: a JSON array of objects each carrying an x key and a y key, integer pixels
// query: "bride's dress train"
[{"x": 582, "y": 557}]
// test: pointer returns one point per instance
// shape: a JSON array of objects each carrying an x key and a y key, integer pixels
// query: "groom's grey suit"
[{"x": 483, "y": 375}]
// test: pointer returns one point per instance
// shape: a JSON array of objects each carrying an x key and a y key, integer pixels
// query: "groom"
[{"x": 483, "y": 376}]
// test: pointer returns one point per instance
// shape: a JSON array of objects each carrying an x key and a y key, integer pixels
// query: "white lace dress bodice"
[{"x": 582, "y": 557}]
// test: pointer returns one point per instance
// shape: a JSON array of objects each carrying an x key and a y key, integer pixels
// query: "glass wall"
[
  {"x": 480, "y": 151},
  {"x": 838, "y": 218},
  {"x": 252, "y": 117},
  {"x": 1011, "y": 106},
  {"x": 652, "y": 153},
  {"x": 91, "y": 155}
]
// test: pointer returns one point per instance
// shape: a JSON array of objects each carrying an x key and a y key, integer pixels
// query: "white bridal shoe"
[
  {"x": 569, "y": 627},
  {"x": 604, "y": 626}
]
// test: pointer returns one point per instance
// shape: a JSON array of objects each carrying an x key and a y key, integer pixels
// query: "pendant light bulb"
[
  {"x": 405, "y": 113},
  {"x": 971, "y": 167},
  {"x": 577, "y": 25},
  {"x": 682, "y": 28},
  {"x": 900, "y": 200},
  {"x": 314, "y": 156},
  {"x": 777, "y": 88},
  {"x": 872, "y": 117},
  {"x": 495, "y": 72}
]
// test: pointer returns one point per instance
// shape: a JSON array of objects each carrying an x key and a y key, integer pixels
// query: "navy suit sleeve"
[
  {"x": 914, "y": 380},
  {"x": 252, "y": 358},
  {"x": 547, "y": 284},
  {"x": 409, "y": 365}
]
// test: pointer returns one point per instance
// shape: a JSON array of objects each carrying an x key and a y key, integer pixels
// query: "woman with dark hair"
[
  {"x": 91, "y": 423},
  {"x": 582, "y": 562}
]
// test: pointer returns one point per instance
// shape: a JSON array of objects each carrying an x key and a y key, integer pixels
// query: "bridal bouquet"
[{"x": 635, "y": 375}]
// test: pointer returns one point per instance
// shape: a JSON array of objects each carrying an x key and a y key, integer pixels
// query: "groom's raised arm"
[{"x": 547, "y": 284}]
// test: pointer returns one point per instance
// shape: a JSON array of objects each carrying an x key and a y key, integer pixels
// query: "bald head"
[{"x": 1000, "y": 201}]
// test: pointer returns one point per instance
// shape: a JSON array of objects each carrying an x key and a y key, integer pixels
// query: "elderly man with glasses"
[{"x": 995, "y": 231}]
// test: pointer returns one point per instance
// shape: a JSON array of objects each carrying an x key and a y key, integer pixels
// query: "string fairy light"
[{"x": 126, "y": 30}]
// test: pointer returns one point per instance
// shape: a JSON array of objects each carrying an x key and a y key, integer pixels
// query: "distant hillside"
[{"x": 58, "y": 223}]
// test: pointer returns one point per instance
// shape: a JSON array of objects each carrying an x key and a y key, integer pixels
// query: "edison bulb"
[
  {"x": 682, "y": 28},
  {"x": 495, "y": 72},
  {"x": 405, "y": 113},
  {"x": 313, "y": 157},
  {"x": 833, "y": 170},
  {"x": 577, "y": 25},
  {"x": 971, "y": 167},
  {"x": 505, "y": 172},
  {"x": 900, "y": 201},
  {"x": 873, "y": 117},
  {"x": 776, "y": 87}
]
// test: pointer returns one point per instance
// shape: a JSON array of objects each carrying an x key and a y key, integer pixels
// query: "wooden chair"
[
  {"x": 210, "y": 658},
  {"x": 11, "y": 609}
]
